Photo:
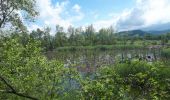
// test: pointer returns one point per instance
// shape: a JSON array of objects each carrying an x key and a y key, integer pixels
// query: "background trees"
[{"x": 106, "y": 36}]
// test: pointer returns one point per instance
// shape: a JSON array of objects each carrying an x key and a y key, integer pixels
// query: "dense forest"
[{"x": 79, "y": 63}]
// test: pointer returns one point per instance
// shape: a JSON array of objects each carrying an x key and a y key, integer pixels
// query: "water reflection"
[{"x": 90, "y": 60}]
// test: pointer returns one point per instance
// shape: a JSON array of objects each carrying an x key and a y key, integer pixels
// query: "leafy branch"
[{"x": 13, "y": 91}]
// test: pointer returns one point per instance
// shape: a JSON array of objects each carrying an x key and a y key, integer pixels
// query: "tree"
[
  {"x": 104, "y": 36},
  {"x": 79, "y": 37},
  {"x": 168, "y": 35},
  {"x": 48, "y": 42},
  {"x": 71, "y": 32},
  {"x": 10, "y": 11},
  {"x": 38, "y": 34},
  {"x": 26, "y": 73},
  {"x": 90, "y": 35},
  {"x": 164, "y": 39},
  {"x": 60, "y": 37}
]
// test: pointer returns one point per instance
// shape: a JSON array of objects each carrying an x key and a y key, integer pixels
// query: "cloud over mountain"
[{"x": 145, "y": 13}]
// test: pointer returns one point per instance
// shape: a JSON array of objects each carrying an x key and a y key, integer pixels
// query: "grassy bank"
[{"x": 99, "y": 47}]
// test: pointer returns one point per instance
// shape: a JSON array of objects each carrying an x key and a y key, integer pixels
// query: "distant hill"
[
  {"x": 158, "y": 29},
  {"x": 132, "y": 33},
  {"x": 141, "y": 33},
  {"x": 159, "y": 32}
]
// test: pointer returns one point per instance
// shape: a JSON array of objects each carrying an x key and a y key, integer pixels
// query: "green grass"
[
  {"x": 137, "y": 44},
  {"x": 99, "y": 47}
]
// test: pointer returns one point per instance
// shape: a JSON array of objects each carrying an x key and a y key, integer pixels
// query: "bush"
[
  {"x": 166, "y": 53},
  {"x": 25, "y": 72},
  {"x": 129, "y": 81}
]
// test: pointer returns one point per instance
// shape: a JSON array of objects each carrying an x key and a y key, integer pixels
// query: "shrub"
[{"x": 129, "y": 81}]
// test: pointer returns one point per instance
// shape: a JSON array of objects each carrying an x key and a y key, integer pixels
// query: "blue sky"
[
  {"x": 101, "y": 9},
  {"x": 121, "y": 14}
]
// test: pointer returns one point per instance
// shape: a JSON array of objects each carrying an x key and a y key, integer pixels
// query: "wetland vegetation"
[{"x": 79, "y": 64}]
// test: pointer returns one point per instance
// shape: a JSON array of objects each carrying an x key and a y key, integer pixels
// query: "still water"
[{"x": 90, "y": 60}]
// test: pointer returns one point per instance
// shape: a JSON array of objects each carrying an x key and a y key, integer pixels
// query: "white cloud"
[
  {"x": 104, "y": 24},
  {"x": 79, "y": 15},
  {"x": 145, "y": 13},
  {"x": 76, "y": 7},
  {"x": 51, "y": 14},
  {"x": 130, "y": 19},
  {"x": 156, "y": 11},
  {"x": 34, "y": 27}
]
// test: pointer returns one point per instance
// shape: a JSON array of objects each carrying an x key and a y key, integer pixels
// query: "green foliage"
[
  {"x": 164, "y": 39},
  {"x": 25, "y": 73},
  {"x": 30, "y": 73},
  {"x": 166, "y": 52},
  {"x": 47, "y": 41},
  {"x": 103, "y": 86},
  {"x": 139, "y": 78},
  {"x": 129, "y": 81},
  {"x": 99, "y": 47}
]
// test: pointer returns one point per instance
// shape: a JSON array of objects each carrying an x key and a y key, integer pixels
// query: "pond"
[{"x": 90, "y": 60}]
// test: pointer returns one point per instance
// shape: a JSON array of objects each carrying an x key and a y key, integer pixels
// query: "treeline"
[
  {"x": 74, "y": 37},
  {"x": 85, "y": 37}
]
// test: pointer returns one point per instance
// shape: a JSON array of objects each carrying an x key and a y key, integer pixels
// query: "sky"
[{"x": 121, "y": 14}]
